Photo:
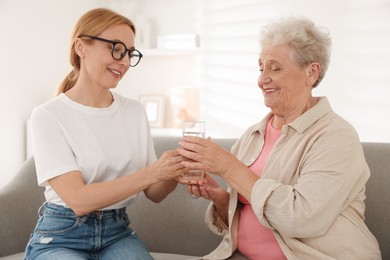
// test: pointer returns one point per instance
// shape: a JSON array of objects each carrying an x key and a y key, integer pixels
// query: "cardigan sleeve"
[{"x": 215, "y": 222}]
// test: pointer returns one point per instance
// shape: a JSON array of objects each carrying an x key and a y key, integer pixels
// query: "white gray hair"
[{"x": 308, "y": 42}]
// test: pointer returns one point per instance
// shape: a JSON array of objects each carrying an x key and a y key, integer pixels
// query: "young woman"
[{"x": 93, "y": 150}]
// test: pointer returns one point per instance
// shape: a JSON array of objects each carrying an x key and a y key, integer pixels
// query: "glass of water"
[{"x": 198, "y": 129}]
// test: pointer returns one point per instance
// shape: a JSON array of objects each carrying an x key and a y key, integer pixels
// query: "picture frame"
[{"x": 155, "y": 109}]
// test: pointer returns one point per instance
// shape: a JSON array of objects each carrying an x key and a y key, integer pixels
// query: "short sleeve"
[{"x": 52, "y": 153}]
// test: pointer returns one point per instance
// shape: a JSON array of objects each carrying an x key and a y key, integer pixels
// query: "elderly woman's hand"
[
  {"x": 204, "y": 154},
  {"x": 207, "y": 188}
]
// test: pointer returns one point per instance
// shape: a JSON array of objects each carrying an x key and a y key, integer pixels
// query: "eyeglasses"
[{"x": 119, "y": 50}]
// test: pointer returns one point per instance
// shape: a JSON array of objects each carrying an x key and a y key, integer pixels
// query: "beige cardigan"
[{"x": 311, "y": 193}]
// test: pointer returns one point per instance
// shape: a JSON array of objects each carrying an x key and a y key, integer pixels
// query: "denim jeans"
[{"x": 61, "y": 234}]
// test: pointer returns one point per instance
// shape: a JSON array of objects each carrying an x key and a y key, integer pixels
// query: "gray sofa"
[{"x": 174, "y": 228}]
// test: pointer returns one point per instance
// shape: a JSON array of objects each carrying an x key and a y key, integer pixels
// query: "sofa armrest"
[{"x": 19, "y": 203}]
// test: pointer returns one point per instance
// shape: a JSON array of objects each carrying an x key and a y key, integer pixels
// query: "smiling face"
[
  {"x": 98, "y": 67},
  {"x": 286, "y": 86}
]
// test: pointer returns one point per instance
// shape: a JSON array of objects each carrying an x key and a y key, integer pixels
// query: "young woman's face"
[{"x": 98, "y": 64}]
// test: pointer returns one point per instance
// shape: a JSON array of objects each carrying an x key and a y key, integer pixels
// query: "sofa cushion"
[
  {"x": 163, "y": 256},
  {"x": 13, "y": 257}
]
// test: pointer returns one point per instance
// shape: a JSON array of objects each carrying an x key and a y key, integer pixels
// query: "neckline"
[{"x": 87, "y": 109}]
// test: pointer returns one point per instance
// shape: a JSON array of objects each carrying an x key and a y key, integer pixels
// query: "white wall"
[{"x": 33, "y": 51}]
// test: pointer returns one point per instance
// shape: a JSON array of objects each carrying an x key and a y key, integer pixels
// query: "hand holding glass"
[{"x": 198, "y": 129}]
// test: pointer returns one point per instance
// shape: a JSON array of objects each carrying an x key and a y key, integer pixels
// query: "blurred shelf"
[{"x": 169, "y": 52}]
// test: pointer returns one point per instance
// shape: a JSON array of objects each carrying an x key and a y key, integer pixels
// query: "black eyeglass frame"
[{"x": 132, "y": 52}]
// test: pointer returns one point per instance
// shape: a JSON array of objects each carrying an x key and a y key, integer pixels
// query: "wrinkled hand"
[
  {"x": 169, "y": 166},
  {"x": 207, "y": 188},
  {"x": 204, "y": 154}
]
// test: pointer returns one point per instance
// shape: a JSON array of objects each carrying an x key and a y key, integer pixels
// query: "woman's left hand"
[
  {"x": 169, "y": 166},
  {"x": 204, "y": 154}
]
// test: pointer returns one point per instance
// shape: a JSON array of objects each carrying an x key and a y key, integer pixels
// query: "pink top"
[{"x": 254, "y": 240}]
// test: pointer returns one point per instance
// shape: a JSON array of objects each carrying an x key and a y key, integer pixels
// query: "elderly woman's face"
[{"x": 284, "y": 83}]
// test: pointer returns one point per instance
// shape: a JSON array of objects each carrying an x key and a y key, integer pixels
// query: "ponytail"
[{"x": 69, "y": 81}]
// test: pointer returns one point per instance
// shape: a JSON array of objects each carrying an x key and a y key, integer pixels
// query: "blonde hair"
[
  {"x": 309, "y": 43},
  {"x": 94, "y": 22}
]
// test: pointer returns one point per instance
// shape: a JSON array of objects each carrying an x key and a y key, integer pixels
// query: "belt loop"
[
  {"x": 117, "y": 215},
  {"x": 83, "y": 219},
  {"x": 100, "y": 214},
  {"x": 41, "y": 209}
]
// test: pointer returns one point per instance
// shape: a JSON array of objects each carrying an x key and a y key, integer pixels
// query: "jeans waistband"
[{"x": 54, "y": 209}]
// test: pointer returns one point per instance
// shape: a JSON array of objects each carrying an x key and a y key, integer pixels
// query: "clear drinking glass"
[{"x": 194, "y": 128}]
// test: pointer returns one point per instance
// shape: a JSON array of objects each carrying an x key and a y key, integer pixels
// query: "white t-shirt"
[{"x": 102, "y": 143}]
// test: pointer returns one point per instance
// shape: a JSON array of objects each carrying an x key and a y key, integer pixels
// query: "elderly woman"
[{"x": 296, "y": 179}]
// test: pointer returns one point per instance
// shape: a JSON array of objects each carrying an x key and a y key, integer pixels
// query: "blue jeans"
[{"x": 61, "y": 234}]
